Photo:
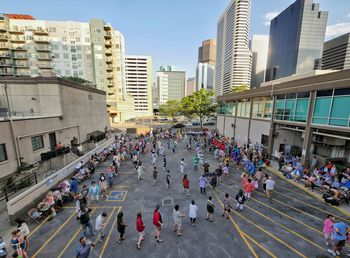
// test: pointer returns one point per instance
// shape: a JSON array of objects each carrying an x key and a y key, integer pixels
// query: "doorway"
[{"x": 53, "y": 142}]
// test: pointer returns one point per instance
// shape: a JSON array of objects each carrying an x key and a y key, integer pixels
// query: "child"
[
  {"x": 226, "y": 171},
  {"x": 210, "y": 209},
  {"x": 328, "y": 229},
  {"x": 186, "y": 184},
  {"x": 103, "y": 187},
  {"x": 167, "y": 177},
  {"x": 193, "y": 212},
  {"x": 240, "y": 198},
  {"x": 248, "y": 189}
]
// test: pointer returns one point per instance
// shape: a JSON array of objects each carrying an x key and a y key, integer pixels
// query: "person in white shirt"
[
  {"x": 99, "y": 226},
  {"x": 270, "y": 186},
  {"x": 182, "y": 166},
  {"x": 193, "y": 212}
]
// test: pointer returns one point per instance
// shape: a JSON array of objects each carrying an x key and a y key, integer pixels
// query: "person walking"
[
  {"x": 140, "y": 227},
  {"x": 18, "y": 244},
  {"x": 240, "y": 198},
  {"x": 139, "y": 171},
  {"x": 266, "y": 176},
  {"x": 84, "y": 218},
  {"x": 164, "y": 162},
  {"x": 155, "y": 175},
  {"x": 340, "y": 230},
  {"x": 167, "y": 178},
  {"x": 203, "y": 182},
  {"x": 328, "y": 229},
  {"x": 210, "y": 209},
  {"x": 214, "y": 180},
  {"x": 193, "y": 212},
  {"x": 186, "y": 184},
  {"x": 177, "y": 216},
  {"x": 219, "y": 173},
  {"x": 103, "y": 187},
  {"x": 22, "y": 225},
  {"x": 99, "y": 226},
  {"x": 94, "y": 192},
  {"x": 84, "y": 248},
  {"x": 121, "y": 227},
  {"x": 248, "y": 188},
  {"x": 270, "y": 186},
  {"x": 228, "y": 205},
  {"x": 195, "y": 161},
  {"x": 182, "y": 165},
  {"x": 154, "y": 158},
  {"x": 158, "y": 223}
]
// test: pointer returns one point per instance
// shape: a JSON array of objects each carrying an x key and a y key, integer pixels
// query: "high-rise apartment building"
[
  {"x": 205, "y": 76},
  {"x": 93, "y": 51},
  {"x": 296, "y": 39},
  {"x": 171, "y": 84},
  {"x": 259, "y": 45},
  {"x": 138, "y": 74},
  {"x": 336, "y": 53},
  {"x": 207, "y": 52},
  {"x": 233, "y": 57},
  {"x": 190, "y": 86}
]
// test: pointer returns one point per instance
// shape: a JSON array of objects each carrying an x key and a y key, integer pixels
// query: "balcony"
[
  {"x": 43, "y": 57},
  {"x": 109, "y": 68},
  {"x": 108, "y": 35},
  {"x": 21, "y": 64},
  {"x": 5, "y": 63},
  {"x": 110, "y": 85},
  {"x": 107, "y": 27},
  {"x": 16, "y": 31},
  {"x": 110, "y": 76},
  {"x": 3, "y": 28},
  {"x": 22, "y": 72},
  {"x": 6, "y": 71},
  {"x": 108, "y": 43},
  {"x": 4, "y": 46},
  {"x": 18, "y": 48},
  {"x": 40, "y": 32},
  {"x": 20, "y": 56},
  {"x": 108, "y": 52},
  {"x": 5, "y": 54},
  {"x": 18, "y": 39},
  {"x": 109, "y": 60},
  {"x": 38, "y": 39},
  {"x": 44, "y": 48},
  {"x": 4, "y": 38},
  {"x": 44, "y": 66}
]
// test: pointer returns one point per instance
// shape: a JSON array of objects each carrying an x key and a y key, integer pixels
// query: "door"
[{"x": 52, "y": 138}]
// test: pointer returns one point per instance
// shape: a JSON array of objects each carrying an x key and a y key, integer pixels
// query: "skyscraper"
[
  {"x": 296, "y": 39},
  {"x": 259, "y": 46},
  {"x": 233, "y": 57},
  {"x": 138, "y": 74},
  {"x": 205, "y": 76},
  {"x": 190, "y": 86},
  {"x": 171, "y": 84},
  {"x": 336, "y": 53},
  {"x": 207, "y": 52}
]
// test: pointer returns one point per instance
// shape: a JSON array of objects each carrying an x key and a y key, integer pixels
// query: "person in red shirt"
[
  {"x": 248, "y": 188},
  {"x": 140, "y": 227},
  {"x": 157, "y": 222},
  {"x": 186, "y": 184}
]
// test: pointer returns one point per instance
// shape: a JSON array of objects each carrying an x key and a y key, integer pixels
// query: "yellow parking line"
[
  {"x": 109, "y": 234},
  {"x": 39, "y": 226},
  {"x": 283, "y": 214},
  {"x": 295, "y": 192},
  {"x": 53, "y": 235},
  {"x": 238, "y": 229},
  {"x": 283, "y": 226},
  {"x": 314, "y": 207},
  {"x": 72, "y": 239},
  {"x": 259, "y": 245}
]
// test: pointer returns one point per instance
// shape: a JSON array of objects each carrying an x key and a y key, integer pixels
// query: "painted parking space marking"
[{"x": 117, "y": 196}]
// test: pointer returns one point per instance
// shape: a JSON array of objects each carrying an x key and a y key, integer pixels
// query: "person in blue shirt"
[
  {"x": 74, "y": 186},
  {"x": 339, "y": 237},
  {"x": 84, "y": 248}
]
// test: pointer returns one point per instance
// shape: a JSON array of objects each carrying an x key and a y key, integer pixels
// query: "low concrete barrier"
[{"x": 19, "y": 205}]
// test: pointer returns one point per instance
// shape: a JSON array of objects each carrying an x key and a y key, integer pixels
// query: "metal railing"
[{"x": 15, "y": 186}]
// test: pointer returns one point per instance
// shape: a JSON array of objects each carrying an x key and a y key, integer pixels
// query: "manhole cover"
[{"x": 168, "y": 201}]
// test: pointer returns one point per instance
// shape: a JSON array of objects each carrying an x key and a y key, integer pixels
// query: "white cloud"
[
  {"x": 348, "y": 15},
  {"x": 268, "y": 17},
  {"x": 337, "y": 29}
]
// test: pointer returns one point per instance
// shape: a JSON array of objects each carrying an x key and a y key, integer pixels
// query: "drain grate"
[{"x": 168, "y": 201}]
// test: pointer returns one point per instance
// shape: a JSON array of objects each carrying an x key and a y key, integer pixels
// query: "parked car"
[{"x": 196, "y": 123}]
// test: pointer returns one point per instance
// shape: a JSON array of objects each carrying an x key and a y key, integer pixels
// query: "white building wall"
[
  {"x": 259, "y": 45},
  {"x": 241, "y": 130},
  {"x": 205, "y": 76},
  {"x": 257, "y": 129}
]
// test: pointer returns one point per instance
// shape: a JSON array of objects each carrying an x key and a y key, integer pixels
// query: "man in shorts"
[{"x": 339, "y": 238}]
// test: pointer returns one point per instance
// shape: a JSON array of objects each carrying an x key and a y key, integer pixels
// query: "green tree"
[
  {"x": 200, "y": 104},
  {"x": 171, "y": 108},
  {"x": 243, "y": 87},
  {"x": 186, "y": 107},
  {"x": 80, "y": 80}
]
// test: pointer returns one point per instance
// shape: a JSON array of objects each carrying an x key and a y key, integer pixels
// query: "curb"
[{"x": 277, "y": 173}]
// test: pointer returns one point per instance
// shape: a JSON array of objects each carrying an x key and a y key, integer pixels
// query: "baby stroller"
[{"x": 329, "y": 198}]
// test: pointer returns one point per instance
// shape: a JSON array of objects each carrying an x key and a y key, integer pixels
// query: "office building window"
[
  {"x": 3, "y": 154},
  {"x": 262, "y": 108},
  {"x": 292, "y": 107},
  {"x": 37, "y": 142}
]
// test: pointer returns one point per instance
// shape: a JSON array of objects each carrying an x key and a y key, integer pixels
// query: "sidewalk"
[{"x": 345, "y": 209}]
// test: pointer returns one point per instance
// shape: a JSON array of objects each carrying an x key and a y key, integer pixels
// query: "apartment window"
[
  {"x": 65, "y": 47},
  {"x": 56, "y": 55},
  {"x": 64, "y": 39},
  {"x": 87, "y": 40},
  {"x": 72, "y": 42},
  {"x": 79, "y": 48},
  {"x": 97, "y": 30},
  {"x": 117, "y": 46},
  {"x": 3, "y": 154},
  {"x": 54, "y": 47},
  {"x": 73, "y": 49},
  {"x": 77, "y": 39},
  {"x": 74, "y": 58},
  {"x": 71, "y": 34},
  {"x": 79, "y": 56},
  {"x": 67, "y": 72},
  {"x": 65, "y": 56},
  {"x": 52, "y": 29},
  {"x": 37, "y": 142},
  {"x": 81, "y": 73}
]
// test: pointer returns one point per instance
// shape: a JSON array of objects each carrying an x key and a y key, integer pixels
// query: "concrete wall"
[
  {"x": 288, "y": 137},
  {"x": 220, "y": 123},
  {"x": 228, "y": 132},
  {"x": 257, "y": 129},
  {"x": 242, "y": 130}
]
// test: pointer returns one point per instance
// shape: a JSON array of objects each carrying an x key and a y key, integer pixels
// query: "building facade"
[
  {"x": 233, "y": 57},
  {"x": 171, "y": 84},
  {"x": 190, "y": 86},
  {"x": 205, "y": 76},
  {"x": 138, "y": 74},
  {"x": 336, "y": 53},
  {"x": 296, "y": 39},
  {"x": 52, "y": 110},
  {"x": 259, "y": 45},
  {"x": 301, "y": 115},
  {"x": 207, "y": 52}
]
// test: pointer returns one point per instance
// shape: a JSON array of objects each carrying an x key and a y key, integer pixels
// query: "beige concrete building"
[
  {"x": 207, "y": 52},
  {"x": 190, "y": 86},
  {"x": 37, "y": 113}
]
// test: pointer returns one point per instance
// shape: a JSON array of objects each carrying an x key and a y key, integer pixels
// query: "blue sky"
[{"x": 170, "y": 31}]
